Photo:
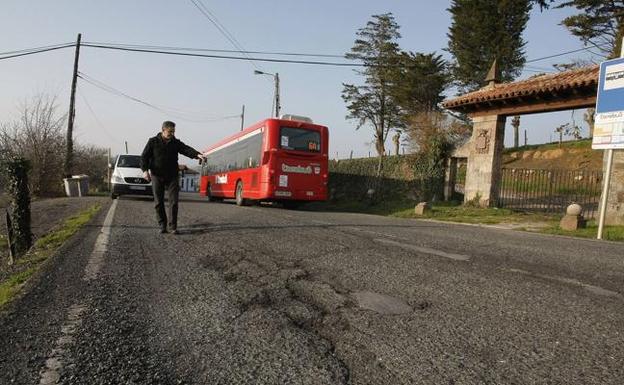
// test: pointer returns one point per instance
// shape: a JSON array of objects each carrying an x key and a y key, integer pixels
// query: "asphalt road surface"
[{"x": 262, "y": 295}]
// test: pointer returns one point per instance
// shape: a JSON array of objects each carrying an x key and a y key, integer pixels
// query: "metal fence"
[{"x": 550, "y": 191}]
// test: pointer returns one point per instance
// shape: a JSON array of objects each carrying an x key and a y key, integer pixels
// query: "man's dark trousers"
[{"x": 159, "y": 185}]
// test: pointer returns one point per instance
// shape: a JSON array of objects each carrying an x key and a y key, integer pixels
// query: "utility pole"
[
  {"x": 243, "y": 118},
  {"x": 277, "y": 96},
  {"x": 108, "y": 168},
  {"x": 525, "y": 138},
  {"x": 126, "y": 146},
  {"x": 67, "y": 166}
]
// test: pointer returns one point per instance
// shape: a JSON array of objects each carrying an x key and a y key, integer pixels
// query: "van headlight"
[{"x": 118, "y": 179}]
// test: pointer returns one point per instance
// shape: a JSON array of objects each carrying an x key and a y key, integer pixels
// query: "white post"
[
  {"x": 604, "y": 198},
  {"x": 605, "y": 193}
]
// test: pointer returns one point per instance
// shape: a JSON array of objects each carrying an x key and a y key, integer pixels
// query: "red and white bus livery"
[{"x": 274, "y": 160}]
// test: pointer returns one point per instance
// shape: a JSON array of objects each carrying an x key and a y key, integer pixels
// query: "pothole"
[{"x": 381, "y": 303}]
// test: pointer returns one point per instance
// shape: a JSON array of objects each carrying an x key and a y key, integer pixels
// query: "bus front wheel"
[
  {"x": 211, "y": 198},
  {"x": 240, "y": 201}
]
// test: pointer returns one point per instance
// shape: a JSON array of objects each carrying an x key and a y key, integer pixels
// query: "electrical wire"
[
  {"x": 271, "y": 60},
  {"x": 195, "y": 49},
  {"x": 213, "y": 19},
  {"x": 168, "y": 111},
  {"x": 95, "y": 117},
  {"x": 36, "y": 51}
]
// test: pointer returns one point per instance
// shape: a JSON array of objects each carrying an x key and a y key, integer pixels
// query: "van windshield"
[
  {"x": 133, "y": 161},
  {"x": 300, "y": 139}
]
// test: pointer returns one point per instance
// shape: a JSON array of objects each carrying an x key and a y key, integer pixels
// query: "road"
[{"x": 262, "y": 295}]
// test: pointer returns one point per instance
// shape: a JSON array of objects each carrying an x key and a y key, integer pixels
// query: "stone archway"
[{"x": 488, "y": 108}]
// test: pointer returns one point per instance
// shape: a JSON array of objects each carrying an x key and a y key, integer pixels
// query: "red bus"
[{"x": 275, "y": 160}]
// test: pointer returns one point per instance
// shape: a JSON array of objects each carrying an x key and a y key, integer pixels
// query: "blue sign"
[{"x": 609, "y": 123}]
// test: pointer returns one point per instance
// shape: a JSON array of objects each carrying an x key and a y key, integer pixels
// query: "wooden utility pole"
[
  {"x": 126, "y": 146},
  {"x": 108, "y": 167},
  {"x": 67, "y": 166}
]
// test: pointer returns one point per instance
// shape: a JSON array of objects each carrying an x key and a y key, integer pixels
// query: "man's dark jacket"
[{"x": 162, "y": 157}]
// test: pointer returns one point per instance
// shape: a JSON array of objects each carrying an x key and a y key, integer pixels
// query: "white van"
[{"x": 127, "y": 177}]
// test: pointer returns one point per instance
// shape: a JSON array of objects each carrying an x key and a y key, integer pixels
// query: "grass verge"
[
  {"x": 610, "y": 233},
  {"x": 44, "y": 247},
  {"x": 454, "y": 212},
  {"x": 443, "y": 211}
]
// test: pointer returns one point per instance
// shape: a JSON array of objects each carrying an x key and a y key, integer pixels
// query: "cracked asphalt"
[{"x": 262, "y": 295}]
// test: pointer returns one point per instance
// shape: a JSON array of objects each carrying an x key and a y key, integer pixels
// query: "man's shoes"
[
  {"x": 175, "y": 231},
  {"x": 163, "y": 230}
]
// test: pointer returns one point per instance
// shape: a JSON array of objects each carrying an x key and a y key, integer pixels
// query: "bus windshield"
[{"x": 300, "y": 139}]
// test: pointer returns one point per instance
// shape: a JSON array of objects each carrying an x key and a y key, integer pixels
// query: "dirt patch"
[{"x": 47, "y": 214}]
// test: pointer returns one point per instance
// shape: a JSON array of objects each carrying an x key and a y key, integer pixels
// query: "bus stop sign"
[{"x": 609, "y": 124}]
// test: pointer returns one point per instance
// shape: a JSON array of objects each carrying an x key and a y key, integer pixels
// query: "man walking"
[{"x": 159, "y": 163}]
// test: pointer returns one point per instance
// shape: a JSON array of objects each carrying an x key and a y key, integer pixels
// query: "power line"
[
  {"x": 271, "y": 60},
  {"x": 36, "y": 51},
  {"x": 168, "y": 111},
  {"x": 191, "y": 49},
  {"x": 213, "y": 19},
  {"x": 560, "y": 54},
  {"x": 97, "y": 120}
]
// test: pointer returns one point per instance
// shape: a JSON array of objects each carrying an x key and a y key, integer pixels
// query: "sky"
[{"x": 204, "y": 96}]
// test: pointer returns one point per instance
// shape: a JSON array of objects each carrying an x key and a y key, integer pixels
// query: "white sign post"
[{"x": 609, "y": 123}]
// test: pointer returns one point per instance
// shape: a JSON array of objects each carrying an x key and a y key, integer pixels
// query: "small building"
[{"x": 189, "y": 180}]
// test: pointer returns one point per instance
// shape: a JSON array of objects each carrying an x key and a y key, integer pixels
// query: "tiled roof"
[{"x": 586, "y": 77}]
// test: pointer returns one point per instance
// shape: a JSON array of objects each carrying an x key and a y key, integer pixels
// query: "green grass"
[
  {"x": 583, "y": 143},
  {"x": 11, "y": 286},
  {"x": 443, "y": 211},
  {"x": 45, "y": 246},
  {"x": 610, "y": 233},
  {"x": 71, "y": 225}
]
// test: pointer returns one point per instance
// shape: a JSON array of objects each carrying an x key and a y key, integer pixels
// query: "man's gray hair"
[{"x": 168, "y": 124}]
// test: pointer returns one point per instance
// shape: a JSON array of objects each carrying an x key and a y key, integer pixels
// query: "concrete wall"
[{"x": 485, "y": 159}]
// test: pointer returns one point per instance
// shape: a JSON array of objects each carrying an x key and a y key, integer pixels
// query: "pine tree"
[
  {"x": 372, "y": 103},
  {"x": 420, "y": 83},
  {"x": 484, "y": 30},
  {"x": 600, "y": 24}
]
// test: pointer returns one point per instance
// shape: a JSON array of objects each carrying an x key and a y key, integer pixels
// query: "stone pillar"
[
  {"x": 483, "y": 173},
  {"x": 615, "y": 203},
  {"x": 449, "y": 178}
]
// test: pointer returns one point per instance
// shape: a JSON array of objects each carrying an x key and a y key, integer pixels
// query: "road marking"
[
  {"x": 425, "y": 250},
  {"x": 101, "y": 243},
  {"x": 49, "y": 374},
  {"x": 591, "y": 288}
]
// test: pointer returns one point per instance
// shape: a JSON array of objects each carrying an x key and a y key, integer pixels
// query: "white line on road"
[
  {"x": 591, "y": 288},
  {"x": 49, "y": 374},
  {"x": 425, "y": 250}
]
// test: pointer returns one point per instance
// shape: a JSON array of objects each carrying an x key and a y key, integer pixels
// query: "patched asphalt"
[{"x": 264, "y": 295}]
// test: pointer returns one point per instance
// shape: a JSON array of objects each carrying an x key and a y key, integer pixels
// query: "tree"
[
  {"x": 373, "y": 103},
  {"x": 600, "y": 24},
  {"x": 38, "y": 136},
  {"x": 590, "y": 118},
  {"x": 420, "y": 81},
  {"x": 482, "y": 31},
  {"x": 433, "y": 135}
]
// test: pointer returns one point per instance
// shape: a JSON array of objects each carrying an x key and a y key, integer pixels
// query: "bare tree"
[{"x": 37, "y": 135}]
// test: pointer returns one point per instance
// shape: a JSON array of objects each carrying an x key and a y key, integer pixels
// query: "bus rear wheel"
[
  {"x": 240, "y": 201},
  {"x": 211, "y": 198}
]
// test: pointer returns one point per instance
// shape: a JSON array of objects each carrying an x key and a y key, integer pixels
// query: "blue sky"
[{"x": 207, "y": 89}]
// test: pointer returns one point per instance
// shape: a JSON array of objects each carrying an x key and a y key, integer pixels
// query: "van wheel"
[
  {"x": 240, "y": 201},
  {"x": 114, "y": 196}
]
